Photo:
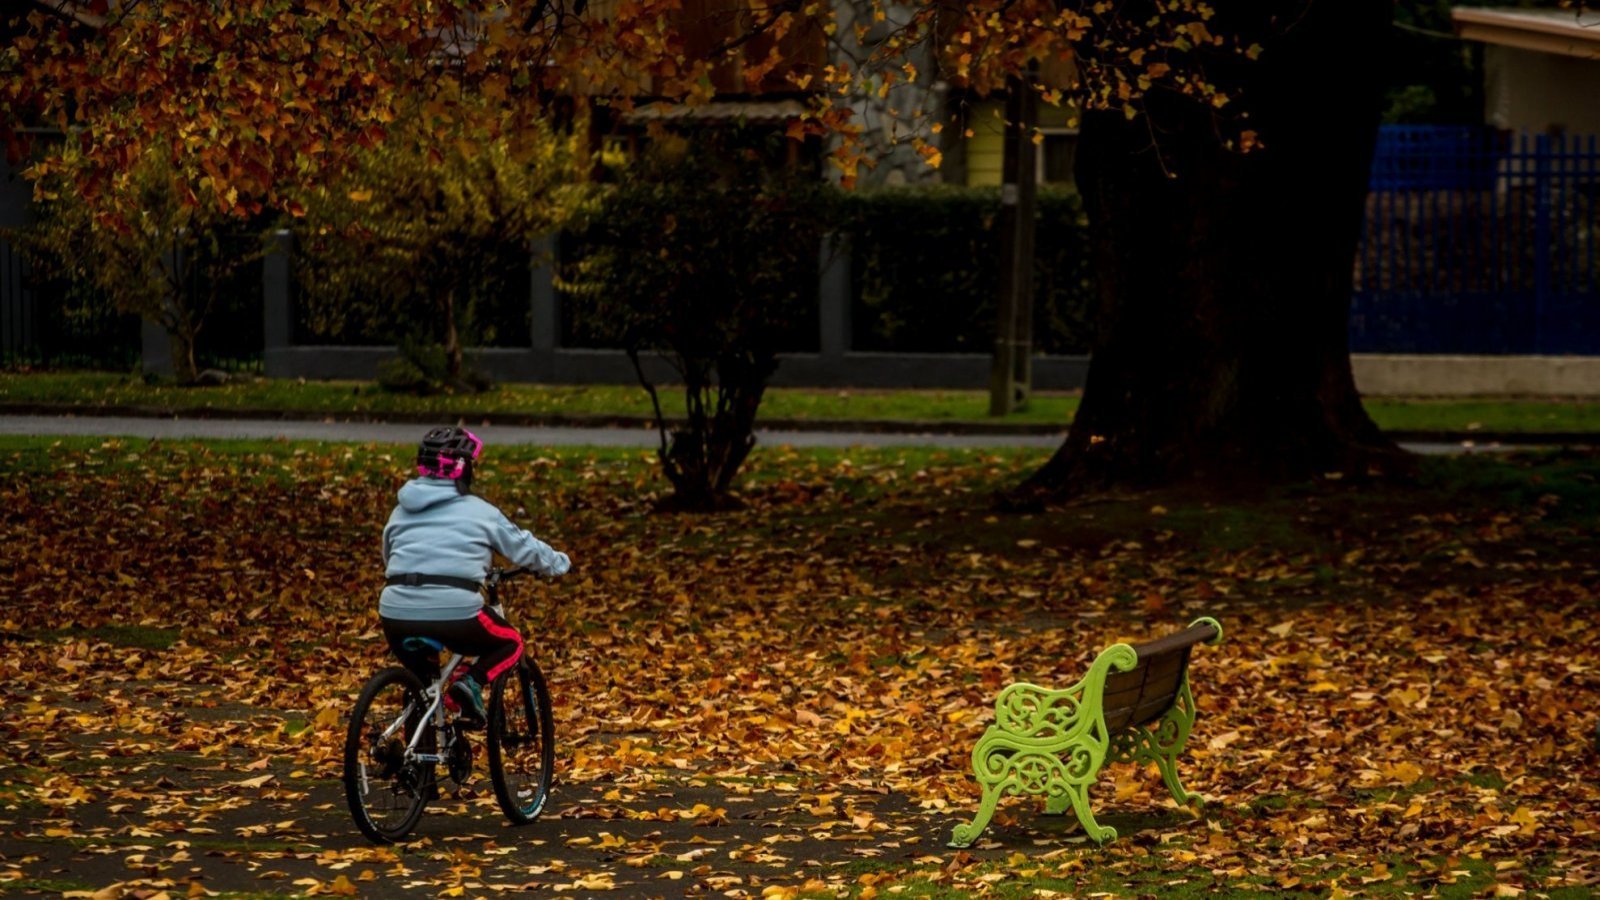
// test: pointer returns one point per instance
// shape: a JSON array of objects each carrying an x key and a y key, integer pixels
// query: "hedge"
[{"x": 925, "y": 269}]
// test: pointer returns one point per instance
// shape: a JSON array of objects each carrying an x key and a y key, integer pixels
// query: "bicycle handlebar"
[{"x": 498, "y": 575}]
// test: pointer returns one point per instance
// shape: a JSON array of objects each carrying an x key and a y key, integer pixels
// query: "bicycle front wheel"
[
  {"x": 386, "y": 794},
  {"x": 522, "y": 742}
]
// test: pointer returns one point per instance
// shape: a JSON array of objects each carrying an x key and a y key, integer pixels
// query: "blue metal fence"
[{"x": 1480, "y": 242}]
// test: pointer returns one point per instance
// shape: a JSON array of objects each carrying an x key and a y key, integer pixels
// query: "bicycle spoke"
[
  {"x": 386, "y": 792},
  {"x": 521, "y": 743}
]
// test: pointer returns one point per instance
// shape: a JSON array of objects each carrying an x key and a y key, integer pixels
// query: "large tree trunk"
[{"x": 1225, "y": 277}]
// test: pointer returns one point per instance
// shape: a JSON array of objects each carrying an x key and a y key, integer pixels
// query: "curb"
[{"x": 568, "y": 420}]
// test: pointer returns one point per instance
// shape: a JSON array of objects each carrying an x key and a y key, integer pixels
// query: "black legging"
[{"x": 488, "y": 636}]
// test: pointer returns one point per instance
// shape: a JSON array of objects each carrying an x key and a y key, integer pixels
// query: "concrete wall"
[
  {"x": 1386, "y": 375},
  {"x": 1535, "y": 92}
]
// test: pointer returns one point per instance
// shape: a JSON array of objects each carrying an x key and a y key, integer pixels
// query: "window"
[{"x": 1057, "y": 153}]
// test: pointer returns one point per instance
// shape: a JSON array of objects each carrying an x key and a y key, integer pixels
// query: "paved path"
[{"x": 109, "y": 426}]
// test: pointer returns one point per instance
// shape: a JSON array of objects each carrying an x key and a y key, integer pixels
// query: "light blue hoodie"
[{"x": 437, "y": 531}]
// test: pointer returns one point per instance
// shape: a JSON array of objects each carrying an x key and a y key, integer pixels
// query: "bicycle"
[{"x": 402, "y": 731}]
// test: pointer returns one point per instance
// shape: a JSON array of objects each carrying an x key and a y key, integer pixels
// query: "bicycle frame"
[
  {"x": 435, "y": 712},
  {"x": 435, "y": 691}
]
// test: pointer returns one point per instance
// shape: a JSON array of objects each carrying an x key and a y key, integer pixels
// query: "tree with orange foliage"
[{"x": 1223, "y": 157}]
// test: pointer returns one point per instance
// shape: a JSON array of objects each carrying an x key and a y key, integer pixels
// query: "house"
[
  {"x": 983, "y": 150},
  {"x": 965, "y": 127},
  {"x": 1541, "y": 67}
]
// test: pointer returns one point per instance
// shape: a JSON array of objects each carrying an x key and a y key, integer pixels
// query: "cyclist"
[{"x": 437, "y": 548}]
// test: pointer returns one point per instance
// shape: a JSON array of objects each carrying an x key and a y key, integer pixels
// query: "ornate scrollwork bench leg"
[
  {"x": 1161, "y": 743},
  {"x": 1046, "y": 743}
]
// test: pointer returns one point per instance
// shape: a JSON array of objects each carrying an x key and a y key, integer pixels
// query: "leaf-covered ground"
[{"x": 782, "y": 700}]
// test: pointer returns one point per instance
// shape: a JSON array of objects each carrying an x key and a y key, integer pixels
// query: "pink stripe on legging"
[{"x": 501, "y": 631}]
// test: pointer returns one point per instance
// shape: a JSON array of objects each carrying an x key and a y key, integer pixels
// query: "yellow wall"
[{"x": 986, "y": 147}]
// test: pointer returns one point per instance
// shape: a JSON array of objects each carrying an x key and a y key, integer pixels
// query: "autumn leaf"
[{"x": 811, "y": 671}]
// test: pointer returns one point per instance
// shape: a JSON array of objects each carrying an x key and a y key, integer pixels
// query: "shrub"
[
  {"x": 415, "y": 238},
  {"x": 178, "y": 264},
  {"x": 711, "y": 267}
]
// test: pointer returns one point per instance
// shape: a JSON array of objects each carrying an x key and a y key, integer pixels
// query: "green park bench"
[{"x": 1133, "y": 706}]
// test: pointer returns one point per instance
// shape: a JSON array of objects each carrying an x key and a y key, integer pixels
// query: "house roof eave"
[{"x": 1546, "y": 31}]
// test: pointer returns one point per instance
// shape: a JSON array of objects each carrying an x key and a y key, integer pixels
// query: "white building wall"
[{"x": 1530, "y": 91}]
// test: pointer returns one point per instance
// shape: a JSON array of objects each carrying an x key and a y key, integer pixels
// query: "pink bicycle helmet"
[{"x": 449, "y": 453}]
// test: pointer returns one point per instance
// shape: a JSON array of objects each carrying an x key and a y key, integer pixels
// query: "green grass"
[
  {"x": 142, "y": 636},
  {"x": 102, "y": 389},
  {"x": 346, "y": 397},
  {"x": 1468, "y": 877},
  {"x": 263, "y": 459},
  {"x": 1513, "y": 416},
  {"x": 57, "y": 886}
]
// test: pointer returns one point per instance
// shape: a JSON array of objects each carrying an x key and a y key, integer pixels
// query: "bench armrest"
[{"x": 1029, "y": 711}]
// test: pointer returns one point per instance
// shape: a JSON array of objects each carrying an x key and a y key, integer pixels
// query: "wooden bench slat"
[
  {"x": 1134, "y": 716},
  {"x": 1147, "y": 691},
  {"x": 1182, "y": 640},
  {"x": 1154, "y": 670}
]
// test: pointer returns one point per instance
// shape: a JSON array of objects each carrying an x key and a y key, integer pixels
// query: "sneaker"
[{"x": 469, "y": 696}]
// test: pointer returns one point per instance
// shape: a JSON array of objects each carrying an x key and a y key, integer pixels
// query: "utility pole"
[{"x": 1011, "y": 377}]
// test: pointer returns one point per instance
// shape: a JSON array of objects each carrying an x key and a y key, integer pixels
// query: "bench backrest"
[{"x": 1145, "y": 692}]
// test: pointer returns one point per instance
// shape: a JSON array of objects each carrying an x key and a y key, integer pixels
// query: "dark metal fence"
[
  {"x": 1476, "y": 241},
  {"x": 48, "y": 320},
  {"x": 1480, "y": 242},
  {"x": 17, "y": 326},
  {"x": 45, "y": 320}
]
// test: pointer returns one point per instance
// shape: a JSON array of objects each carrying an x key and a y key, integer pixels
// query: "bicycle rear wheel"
[
  {"x": 522, "y": 742},
  {"x": 386, "y": 794}
]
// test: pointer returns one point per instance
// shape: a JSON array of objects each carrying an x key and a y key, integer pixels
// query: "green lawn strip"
[
  {"x": 56, "y": 886},
  {"x": 806, "y": 404},
  {"x": 1563, "y": 486},
  {"x": 59, "y": 887},
  {"x": 767, "y": 466},
  {"x": 145, "y": 637},
  {"x": 845, "y": 496},
  {"x": 1092, "y": 871},
  {"x": 1469, "y": 416},
  {"x": 103, "y": 389}
]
